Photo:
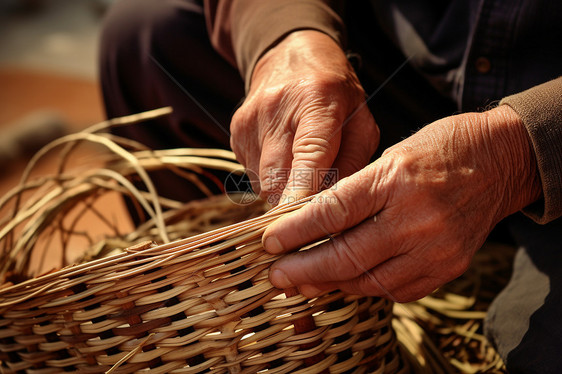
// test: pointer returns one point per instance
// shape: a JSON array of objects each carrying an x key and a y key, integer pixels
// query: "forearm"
[{"x": 242, "y": 31}]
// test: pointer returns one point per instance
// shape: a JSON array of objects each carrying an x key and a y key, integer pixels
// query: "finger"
[
  {"x": 315, "y": 146},
  {"x": 252, "y": 166},
  {"x": 275, "y": 166},
  {"x": 239, "y": 142},
  {"x": 343, "y": 206},
  {"x": 246, "y": 148},
  {"x": 360, "y": 139},
  {"x": 316, "y": 290},
  {"x": 342, "y": 258},
  {"x": 376, "y": 282},
  {"x": 367, "y": 284},
  {"x": 402, "y": 279},
  {"x": 416, "y": 289}
]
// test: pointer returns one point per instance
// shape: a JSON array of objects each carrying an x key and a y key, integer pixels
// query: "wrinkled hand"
[
  {"x": 305, "y": 110},
  {"x": 436, "y": 196}
]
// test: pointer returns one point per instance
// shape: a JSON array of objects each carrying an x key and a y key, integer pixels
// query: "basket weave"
[
  {"x": 202, "y": 304},
  {"x": 197, "y": 305}
]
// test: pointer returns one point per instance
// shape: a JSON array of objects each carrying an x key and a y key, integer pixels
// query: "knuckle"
[
  {"x": 312, "y": 152},
  {"x": 407, "y": 295},
  {"x": 332, "y": 212},
  {"x": 342, "y": 264},
  {"x": 416, "y": 290},
  {"x": 346, "y": 262},
  {"x": 457, "y": 267},
  {"x": 256, "y": 187},
  {"x": 448, "y": 253},
  {"x": 312, "y": 273},
  {"x": 240, "y": 128},
  {"x": 434, "y": 223},
  {"x": 365, "y": 285},
  {"x": 331, "y": 86},
  {"x": 238, "y": 119},
  {"x": 311, "y": 145},
  {"x": 270, "y": 185},
  {"x": 270, "y": 100},
  {"x": 322, "y": 82},
  {"x": 322, "y": 273},
  {"x": 238, "y": 152}
]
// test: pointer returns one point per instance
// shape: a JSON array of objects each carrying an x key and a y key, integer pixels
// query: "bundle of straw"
[
  {"x": 202, "y": 303},
  {"x": 444, "y": 331}
]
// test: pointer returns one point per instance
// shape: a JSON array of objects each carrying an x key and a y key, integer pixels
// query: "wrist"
[
  {"x": 300, "y": 53},
  {"x": 515, "y": 159}
]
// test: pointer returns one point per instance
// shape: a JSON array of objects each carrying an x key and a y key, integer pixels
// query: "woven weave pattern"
[
  {"x": 197, "y": 305},
  {"x": 202, "y": 304}
]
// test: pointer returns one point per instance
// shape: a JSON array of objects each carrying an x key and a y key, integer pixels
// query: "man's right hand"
[
  {"x": 412, "y": 220},
  {"x": 305, "y": 110}
]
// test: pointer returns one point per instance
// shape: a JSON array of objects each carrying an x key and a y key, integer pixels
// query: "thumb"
[{"x": 348, "y": 203}]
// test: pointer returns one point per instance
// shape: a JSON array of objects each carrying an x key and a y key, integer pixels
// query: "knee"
[
  {"x": 123, "y": 26},
  {"x": 524, "y": 320},
  {"x": 132, "y": 29}
]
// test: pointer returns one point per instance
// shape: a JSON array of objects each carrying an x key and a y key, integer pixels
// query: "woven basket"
[
  {"x": 197, "y": 305},
  {"x": 202, "y": 304}
]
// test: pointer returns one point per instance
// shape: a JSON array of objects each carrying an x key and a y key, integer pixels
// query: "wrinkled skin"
[
  {"x": 405, "y": 224},
  {"x": 296, "y": 115},
  {"x": 436, "y": 196}
]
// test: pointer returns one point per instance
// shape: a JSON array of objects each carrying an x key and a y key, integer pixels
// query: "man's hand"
[
  {"x": 412, "y": 220},
  {"x": 305, "y": 110}
]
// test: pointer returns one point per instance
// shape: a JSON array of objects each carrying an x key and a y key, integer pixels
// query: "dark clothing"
[
  {"x": 155, "y": 54},
  {"x": 503, "y": 47},
  {"x": 476, "y": 51},
  {"x": 524, "y": 319},
  {"x": 433, "y": 34},
  {"x": 196, "y": 57}
]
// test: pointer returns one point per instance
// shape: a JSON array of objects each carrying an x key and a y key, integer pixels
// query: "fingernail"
[
  {"x": 279, "y": 279},
  {"x": 272, "y": 245},
  {"x": 309, "y": 290}
]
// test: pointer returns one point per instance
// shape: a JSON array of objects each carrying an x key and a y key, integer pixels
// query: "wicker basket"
[
  {"x": 197, "y": 305},
  {"x": 202, "y": 304}
]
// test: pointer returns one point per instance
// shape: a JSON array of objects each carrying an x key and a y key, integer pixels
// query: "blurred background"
[
  {"x": 49, "y": 88},
  {"x": 48, "y": 75}
]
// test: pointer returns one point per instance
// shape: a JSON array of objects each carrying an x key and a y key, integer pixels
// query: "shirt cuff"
[
  {"x": 540, "y": 108},
  {"x": 262, "y": 24}
]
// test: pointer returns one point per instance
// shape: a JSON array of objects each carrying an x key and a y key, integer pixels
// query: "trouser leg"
[
  {"x": 157, "y": 53},
  {"x": 524, "y": 321}
]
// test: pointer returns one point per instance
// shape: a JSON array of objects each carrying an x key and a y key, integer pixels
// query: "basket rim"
[{"x": 154, "y": 255}]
